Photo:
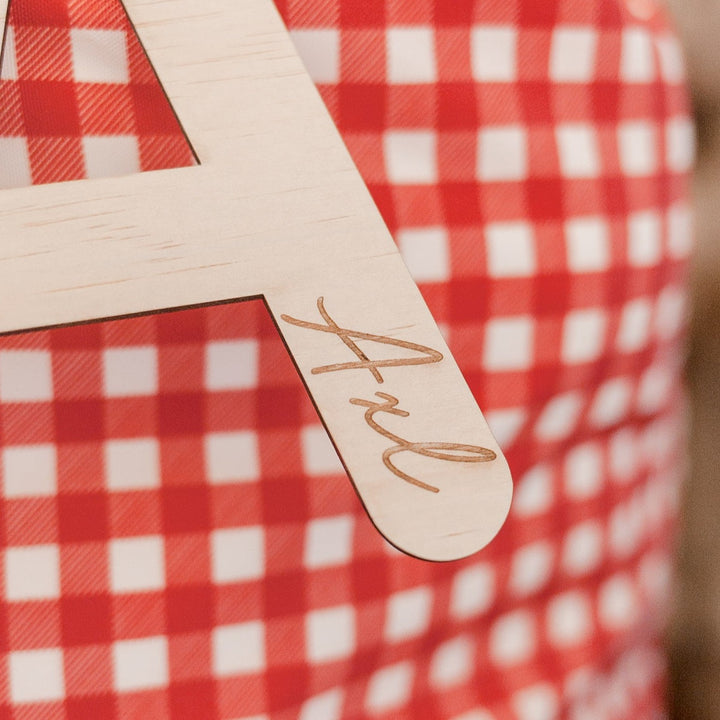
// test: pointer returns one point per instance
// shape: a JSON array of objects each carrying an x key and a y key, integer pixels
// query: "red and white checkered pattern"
[{"x": 179, "y": 540}]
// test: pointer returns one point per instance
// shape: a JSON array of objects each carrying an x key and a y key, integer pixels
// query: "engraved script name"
[{"x": 452, "y": 452}]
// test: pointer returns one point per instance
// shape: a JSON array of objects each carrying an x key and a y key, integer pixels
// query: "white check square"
[
  {"x": 326, "y": 706},
  {"x": 231, "y": 365},
  {"x": 611, "y": 402},
  {"x": 582, "y": 548},
  {"x": 238, "y": 649},
  {"x": 232, "y": 457},
  {"x": 410, "y": 55},
  {"x": 635, "y": 323},
  {"x": 537, "y": 702},
  {"x": 679, "y": 230},
  {"x": 644, "y": 238},
  {"x": 36, "y": 675},
  {"x": 637, "y": 57},
  {"x": 25, "y": 376},
  {"x": 505, "y": 424},
  {"x": 679, "y": 144},
  {"x": 319, "y": 49},
  {"x": 237, "y": 554},
  {"x": 509, "y": 343},
  {"x": 502, "y": 153},
  {"x": 473, "y": 591},
  {"x": 389, "y": 687},
  {"x": 15, "y": 167},
  {"x": 318, "y": 453},
  {"x": 578, "y": 150},
  {"x": 569, "y": 619},
  {"x": 637, "y": 147},
  {"x": 494, "y": 53},
  {"x": 535, "y": 492},
  {"x": 328, "y": 541},
  {"x": 583, "y": 471},
  {"x": 140, "y": 664},
  {"x": 137, "y": 564},
  {"x": 410, "y": 156},
  {"x": 99, "y": 56},
  {"x": 513, "y": 639},
  {"x": 572, "y": 54},
  {"x": 130, "y": 371},
  {"x": 453, "y": 662},
  {"x": 510, "y": 249},
  {"x": 559, "y": 416},
  {"x": 618, "y": 603},
  {"x": 588, "y": 245},
  {"x": 29, "y": 470},
  {"x": 672, "y": 65},
  {"x": 531, "y": 568},
  {"x": 330, "y": 633},
  {"x": 583, "y": 337},
  {"x": 408, "y": 613},
  {"x": 132, "y": 464},
  {"x": 425, "y": 252},
  {"x": 111, "y": 156},
  {"x": 9, "y": 61},
  {"x": 32, "y": 573}
]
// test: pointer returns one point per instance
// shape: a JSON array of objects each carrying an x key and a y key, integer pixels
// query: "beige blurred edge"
[{"x": 694, "y": 632}]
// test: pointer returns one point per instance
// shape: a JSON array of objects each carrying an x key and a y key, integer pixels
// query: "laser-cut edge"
[
  {"x": 354, "y": 244},
  {"x": 160, "y": 84},
  {"x": 359, "y": 495}
]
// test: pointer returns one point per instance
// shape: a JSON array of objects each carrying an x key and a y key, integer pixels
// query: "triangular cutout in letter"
[
  {"x": 275, "y": 209},
  {"x": 87, "y": 100}
]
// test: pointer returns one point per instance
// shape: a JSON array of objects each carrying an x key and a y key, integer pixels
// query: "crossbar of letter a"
[{"x": 363, "y": 362}]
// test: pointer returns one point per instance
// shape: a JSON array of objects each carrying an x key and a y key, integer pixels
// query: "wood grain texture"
[{"x": 275, "y": 209}]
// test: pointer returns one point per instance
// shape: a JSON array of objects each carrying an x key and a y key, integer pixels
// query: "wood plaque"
[{"x": 274, "y": 209}]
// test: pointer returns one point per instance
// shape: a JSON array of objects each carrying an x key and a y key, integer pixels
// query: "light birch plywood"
[{"x": 275, "y": 209}]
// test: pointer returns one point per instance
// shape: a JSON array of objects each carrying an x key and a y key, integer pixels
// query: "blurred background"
[{"x": 694, "y": 637}]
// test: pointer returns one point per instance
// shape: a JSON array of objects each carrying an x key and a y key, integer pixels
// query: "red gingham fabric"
[{"x": 179, "y": 540}]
